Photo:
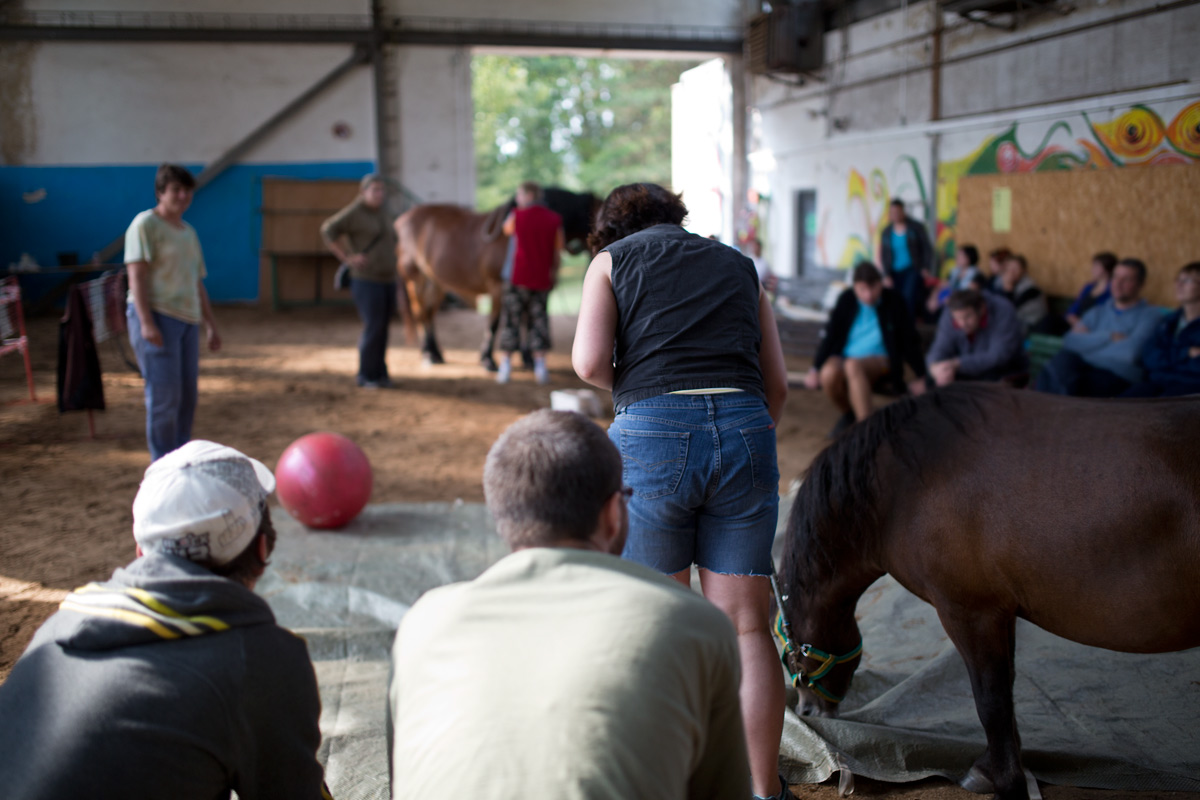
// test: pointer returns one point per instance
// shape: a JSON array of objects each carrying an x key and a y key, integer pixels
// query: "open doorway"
[
  {"x": 806, "y": 231},
  {"x": 576, "y": 122}
]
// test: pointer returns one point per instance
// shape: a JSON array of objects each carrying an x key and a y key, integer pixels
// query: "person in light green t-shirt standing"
[{"x": 167, "y": 303}]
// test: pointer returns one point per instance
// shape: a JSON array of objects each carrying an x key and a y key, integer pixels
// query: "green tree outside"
[{"x": 584, "y": 124}]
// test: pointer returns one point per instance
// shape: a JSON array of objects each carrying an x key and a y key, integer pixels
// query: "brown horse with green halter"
[{"x": 1081, "y": 516}]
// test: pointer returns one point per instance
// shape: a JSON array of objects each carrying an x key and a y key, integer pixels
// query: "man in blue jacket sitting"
[
  {"x": 1101, "y": 354},
  {"x": 1172, "y": 357}
]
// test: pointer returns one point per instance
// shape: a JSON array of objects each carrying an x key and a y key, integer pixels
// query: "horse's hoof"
[
  {"x": 488, "y": 363},
  {"x": 975, "y": 781}
]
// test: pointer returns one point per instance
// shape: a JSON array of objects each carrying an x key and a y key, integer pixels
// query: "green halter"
[{"x": 828, "y": 660}]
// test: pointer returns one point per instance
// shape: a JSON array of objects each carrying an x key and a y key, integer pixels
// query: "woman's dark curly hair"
[{"x": 632, "y": 208}]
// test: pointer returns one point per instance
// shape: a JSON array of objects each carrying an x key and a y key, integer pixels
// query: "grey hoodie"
[{"x": 165, "y": 682}]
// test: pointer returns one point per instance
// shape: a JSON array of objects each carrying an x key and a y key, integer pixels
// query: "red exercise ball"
[{"x": 323, "y": 479}]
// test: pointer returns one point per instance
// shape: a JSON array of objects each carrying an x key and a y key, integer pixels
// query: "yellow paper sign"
[{"x": 1002, "y": 210}]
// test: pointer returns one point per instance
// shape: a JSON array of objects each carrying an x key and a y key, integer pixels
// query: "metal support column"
[
  {"x": 739, "y": 168},
  {"x": 383, "y": 161}
]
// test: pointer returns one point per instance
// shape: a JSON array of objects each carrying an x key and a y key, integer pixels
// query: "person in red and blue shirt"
[{"x": 539, "y": 235}]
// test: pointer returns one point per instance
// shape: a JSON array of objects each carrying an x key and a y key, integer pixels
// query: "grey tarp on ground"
[
  {"x": 345, "y": 592},
  {"x": 1088, "y": 717}
]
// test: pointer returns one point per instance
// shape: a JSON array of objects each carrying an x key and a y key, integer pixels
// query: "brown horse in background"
[
  {"x": 444, "y": 247},
  {"x": 452, "y": 248},
  {"x": 1081, "y": 516}
]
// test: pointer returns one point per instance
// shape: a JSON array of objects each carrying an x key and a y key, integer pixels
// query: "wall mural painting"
[
  {"x": 1136, "y": 137},
  {"x": 867, "y": 199}
]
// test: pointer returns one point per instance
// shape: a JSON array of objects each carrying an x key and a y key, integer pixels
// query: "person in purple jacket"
[
  {"x": 1172, "y": 357},
  {"x": 979, "y": 340}
]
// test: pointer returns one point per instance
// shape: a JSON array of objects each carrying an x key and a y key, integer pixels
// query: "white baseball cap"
[{"x": 202, "y": 502}]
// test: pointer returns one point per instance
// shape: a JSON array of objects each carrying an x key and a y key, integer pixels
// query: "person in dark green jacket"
[{"x": 362, "y": 237}]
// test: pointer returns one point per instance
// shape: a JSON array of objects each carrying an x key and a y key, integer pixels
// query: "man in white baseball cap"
[{"x": 171, "y": 679}]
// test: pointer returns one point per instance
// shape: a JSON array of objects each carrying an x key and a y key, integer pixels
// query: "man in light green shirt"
[
  {"x": 564, "y": 671},
  {"x": 166, "y": 306}
]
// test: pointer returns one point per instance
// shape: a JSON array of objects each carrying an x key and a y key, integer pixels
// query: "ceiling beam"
[{"x": 349, "y": 29}]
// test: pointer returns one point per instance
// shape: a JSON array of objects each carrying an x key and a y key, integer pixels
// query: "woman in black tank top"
[{"x": 679, "y": 329}]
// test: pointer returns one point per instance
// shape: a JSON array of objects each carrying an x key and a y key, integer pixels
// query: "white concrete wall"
[
  {"x": 854, "y": 183},
  {"x": 702, "y": 147},
  {"x": 437, "y": 153},
  {"x": 102, "y": 103}
]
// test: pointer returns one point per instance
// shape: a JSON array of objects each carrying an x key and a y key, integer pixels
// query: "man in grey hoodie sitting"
[
  {"x": 172, "y": 678},
  {"x": 1100, "y": 356}
]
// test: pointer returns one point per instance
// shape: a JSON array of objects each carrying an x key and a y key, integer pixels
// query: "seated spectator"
[
  {"x": 564, "y": 671},
  {"x": 1014, "y": 284},
  {"x": 868, "y": 338},
  {"x": 1172, "y": 357},
  {"x": 996, "y": 260},
  {"x": 964, "y": 275},
  {"x": 1101, "y": 354},
  {"x": 1096, "y": 291},
  {"x": 172, "y": 678},
  {"x": 978, "y": 340}
]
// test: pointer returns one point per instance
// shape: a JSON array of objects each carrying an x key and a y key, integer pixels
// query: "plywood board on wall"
[
  {"x": 292, "y": 213},
  {"x": 293, "y": 194},
  {"x": 302, "y": 279},
  {"x": 1060, "y": 219},
  {"x": 293, "y": 232}
]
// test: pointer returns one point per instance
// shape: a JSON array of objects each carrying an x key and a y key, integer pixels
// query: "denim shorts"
[{"x": 705, "y": 482}]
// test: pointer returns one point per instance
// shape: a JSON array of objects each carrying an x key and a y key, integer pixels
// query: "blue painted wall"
[{"x": 86, "y": 207}]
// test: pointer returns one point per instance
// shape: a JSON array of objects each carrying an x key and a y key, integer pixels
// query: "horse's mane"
[
  {"x": 837, "y": 507},
  {"x": 493, "y": 223}
]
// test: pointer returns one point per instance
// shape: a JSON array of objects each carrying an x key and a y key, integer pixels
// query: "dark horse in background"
[
  {"x": 1081, "y": 516},
  {"x": 452, "y": 248}
]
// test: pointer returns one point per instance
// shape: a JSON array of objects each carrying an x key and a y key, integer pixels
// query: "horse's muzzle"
[{"x": 812, "y": 706}]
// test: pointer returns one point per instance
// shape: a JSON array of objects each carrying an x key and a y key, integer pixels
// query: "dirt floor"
[{"x": 65, "y": 497}]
